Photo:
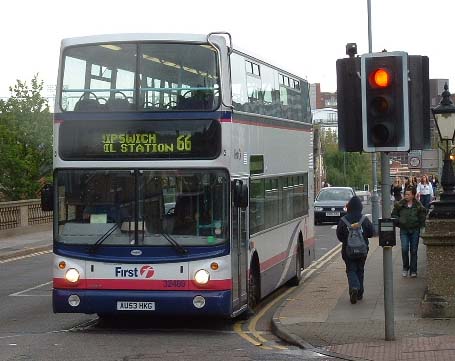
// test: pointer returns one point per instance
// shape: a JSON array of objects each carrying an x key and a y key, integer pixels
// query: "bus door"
[{"x": 239, "y": 254}]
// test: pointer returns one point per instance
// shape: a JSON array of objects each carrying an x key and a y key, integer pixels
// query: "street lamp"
[{"x": 444, "y": 116}]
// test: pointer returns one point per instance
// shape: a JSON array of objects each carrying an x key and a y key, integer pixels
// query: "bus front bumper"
[{"x": 217, "y": 303}]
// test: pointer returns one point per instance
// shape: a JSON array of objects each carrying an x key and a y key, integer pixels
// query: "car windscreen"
[{"x": 335, "y": 195}]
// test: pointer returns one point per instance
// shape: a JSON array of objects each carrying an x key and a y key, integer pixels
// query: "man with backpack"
[{"x": 353, "y": 231}]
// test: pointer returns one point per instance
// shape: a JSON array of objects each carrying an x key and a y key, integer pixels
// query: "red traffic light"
[{"x": 380, "y": 78}]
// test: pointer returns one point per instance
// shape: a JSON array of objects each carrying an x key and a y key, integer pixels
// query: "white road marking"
[
  {"x": 26, "y": 256},
  {"x": 20, "y": 293},
  {"x": 307, "y": 272}
]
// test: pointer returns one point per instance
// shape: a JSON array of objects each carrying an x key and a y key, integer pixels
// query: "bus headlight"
[
  {"x": 72, "y": 275},
  {"x": 318, "y": 209},
  {"x": 202, "y": 276}
]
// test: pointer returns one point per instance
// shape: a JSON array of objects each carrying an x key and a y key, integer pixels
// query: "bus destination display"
[{"x": 140, "y": 139}]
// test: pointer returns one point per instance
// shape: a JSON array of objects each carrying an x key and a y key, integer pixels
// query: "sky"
[{"x": 301, "y": 36}]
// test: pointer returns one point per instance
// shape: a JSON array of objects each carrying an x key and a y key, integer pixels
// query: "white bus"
[{"x": 182, "y": 176}]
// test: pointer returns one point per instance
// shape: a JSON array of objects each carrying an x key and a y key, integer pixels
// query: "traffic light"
[
  {"x": 349, "y": 105},
  {"x": 385, "y": 102},
  {"x": 419, "y": 102}
]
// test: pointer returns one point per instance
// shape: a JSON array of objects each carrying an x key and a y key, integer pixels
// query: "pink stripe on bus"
[{"x": 143, "y": 284}]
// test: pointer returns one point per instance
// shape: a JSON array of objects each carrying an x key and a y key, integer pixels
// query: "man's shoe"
[
  {"x": 359, "y": 295},
  {"x": 404, "y": 273},
  {"x": 353, "y": 295},
  {"x": 413, "y": 275}
]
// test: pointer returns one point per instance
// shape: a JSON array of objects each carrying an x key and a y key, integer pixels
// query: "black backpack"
[{"x": 356, "y": 247}]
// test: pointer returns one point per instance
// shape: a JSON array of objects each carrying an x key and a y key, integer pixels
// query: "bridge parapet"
[{"x": 24, "y": 213}]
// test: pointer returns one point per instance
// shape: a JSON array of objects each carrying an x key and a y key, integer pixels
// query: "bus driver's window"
[{"x": 186, "y": 206}]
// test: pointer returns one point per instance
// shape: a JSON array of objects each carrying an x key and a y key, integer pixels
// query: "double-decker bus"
[{"x": 182, "y": 176}]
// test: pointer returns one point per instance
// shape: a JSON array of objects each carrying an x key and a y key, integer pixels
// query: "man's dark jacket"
[{"x": 409, "y": 218}]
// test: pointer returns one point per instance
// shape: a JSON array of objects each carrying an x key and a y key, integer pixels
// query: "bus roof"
[{"x": 131, "y": 37}]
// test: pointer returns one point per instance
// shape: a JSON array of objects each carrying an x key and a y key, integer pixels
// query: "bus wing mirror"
[
  {"x": 47, "y": 198},
  {"x": 240, "y": 194}
]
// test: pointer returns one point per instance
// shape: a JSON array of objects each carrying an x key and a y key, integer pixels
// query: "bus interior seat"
[
  {"x": 200, "y": 100},
  {"x": 87, "y": 105},
  {"x": 118, "y": 104}
]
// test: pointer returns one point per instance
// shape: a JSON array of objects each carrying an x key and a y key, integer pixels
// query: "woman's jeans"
[
  {"x": 355, "y": 270},
  {"x": 409, "y": 244},
  {"x": 425, "y": 200}
]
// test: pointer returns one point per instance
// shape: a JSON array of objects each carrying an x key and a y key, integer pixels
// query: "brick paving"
[{"x": 319, "y": 315}]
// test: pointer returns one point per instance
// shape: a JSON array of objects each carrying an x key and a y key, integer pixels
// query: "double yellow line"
[{"x": 254, "y": 336}]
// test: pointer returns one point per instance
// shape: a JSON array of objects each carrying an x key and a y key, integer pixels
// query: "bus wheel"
[
  {"x": 294, "y": 281},
  {"x": 253, "y": 288}
]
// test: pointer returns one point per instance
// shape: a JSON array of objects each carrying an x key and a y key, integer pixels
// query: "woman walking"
[
  {"x": 396, "y": 189},
  {"x": 411, "y": 217},
  {"x": 425, "y": 192},
  {"x": 355, "y": 268}
]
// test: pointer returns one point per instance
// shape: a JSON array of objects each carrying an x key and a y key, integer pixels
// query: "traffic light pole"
[
  {"x": 387, "y": 251},
  {"x": 374, "y": 196},
  {"x": 374, "y": 159},
  {"x": 385, "y": 191}
]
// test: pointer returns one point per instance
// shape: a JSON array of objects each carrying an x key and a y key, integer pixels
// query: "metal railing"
[{"x": 22, "y": 214}]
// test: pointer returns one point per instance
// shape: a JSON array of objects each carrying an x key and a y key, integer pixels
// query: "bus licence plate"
[
  {"x": 332, "y": 214},
  {"x": 135, "y": 306}
]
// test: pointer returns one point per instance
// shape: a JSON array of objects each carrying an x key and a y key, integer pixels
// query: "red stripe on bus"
[
  {"x": 269, "y": 263},
  {"x": 225, "y": 120},
  {"x": 146, "y": 285},
  {"x": 309, "y": 242},
  {"x": 258, "y": 124},
  {"x": 273, "y": 261}
]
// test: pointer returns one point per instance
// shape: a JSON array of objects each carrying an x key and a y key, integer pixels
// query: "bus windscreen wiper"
[
  {"x": 178, "y": 247},
  {"x": 105, "y": 236}
]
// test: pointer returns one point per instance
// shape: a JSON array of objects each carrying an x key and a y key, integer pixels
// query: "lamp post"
[{"x": 444, "y": 116}]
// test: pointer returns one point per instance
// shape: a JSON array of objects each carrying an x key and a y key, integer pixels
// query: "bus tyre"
[
  {"x": 253, "y": 288},
  {"x": 295, "y": 281}
]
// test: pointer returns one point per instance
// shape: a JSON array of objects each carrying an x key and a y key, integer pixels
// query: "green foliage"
[
  {"x": 344, "y": 168},
  {"x": 25, "y": 141}
]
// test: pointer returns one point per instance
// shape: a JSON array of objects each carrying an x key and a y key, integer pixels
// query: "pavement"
[
  {"x": 25, "y": 241},
  {"x": 318, "y": 314}
]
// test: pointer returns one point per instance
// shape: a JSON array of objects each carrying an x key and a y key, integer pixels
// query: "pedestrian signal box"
[
  {"x": 387, "y": 232},
  {"x": 385, "y": 101}
]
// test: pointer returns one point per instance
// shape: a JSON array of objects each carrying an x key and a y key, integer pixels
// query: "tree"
[
  {"x": 344, "y": 168},
  {"x": 25, "y": 141}
]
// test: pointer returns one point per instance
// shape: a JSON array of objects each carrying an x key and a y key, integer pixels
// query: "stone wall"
[
  {"x": 22, "y": 214},
  {"x": 439, "y": 237}
]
